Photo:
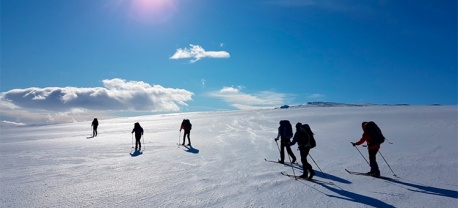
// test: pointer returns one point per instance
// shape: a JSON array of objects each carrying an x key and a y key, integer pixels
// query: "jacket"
[
  {"x": 367, "y": 138},
  {"x": 301, "y": 138}
]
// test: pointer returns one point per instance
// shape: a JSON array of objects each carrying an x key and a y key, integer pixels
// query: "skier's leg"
[
  {"x": 290, "y": 152},
  {"x": 282, "y": 152},
  {"x": 373, "y": 161}
]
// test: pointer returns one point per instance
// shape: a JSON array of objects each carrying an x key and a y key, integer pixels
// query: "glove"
[
  {"x": 354, "y": 144},
  {"x": 276, "y": 139}
]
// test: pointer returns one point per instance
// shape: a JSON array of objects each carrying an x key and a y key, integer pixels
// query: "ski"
[
  {"x": 365, "y": 174},
  {"x": 307, "y": 179},
  {"x": 287, "y": 163}
]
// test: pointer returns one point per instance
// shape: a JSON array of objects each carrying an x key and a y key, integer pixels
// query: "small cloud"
[
  {"x": 196, "y": 52},
  {"x": 230, "y": 90},
  {"x": 316, "y": 96},
  {"x": 236, "y": 98},
  {"x": 203, "y": 82}
]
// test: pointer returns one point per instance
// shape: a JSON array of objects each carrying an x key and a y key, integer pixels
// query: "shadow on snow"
[
  {"x": 136, "y": 153},
  {"x": 354, "y": 197},
  {"x": 191, "y": 149},
  {"x": 426, "y": 189}
]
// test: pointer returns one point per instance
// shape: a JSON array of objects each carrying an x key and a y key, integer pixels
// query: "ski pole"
[
  {"x": 361, "y": 154},
  {"x": 292, "y": 167},
  {"x": 278, "y": 147},
  {"x": 132, "y": 140},
  {"x": 388, "y": 141},
  {"x": 387, "y": 164},
  {"x": 143, "y": 145},
  {"x": 179, "y": 136},
  {"x": 324, "y": 174}
]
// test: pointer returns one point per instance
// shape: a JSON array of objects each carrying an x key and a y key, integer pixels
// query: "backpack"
[
  {"x": 187, "y": 124},
  {"x": 286, "y": 130},
  {"x": 308, "y": 132},
  {"x": 374, "y": 131}
]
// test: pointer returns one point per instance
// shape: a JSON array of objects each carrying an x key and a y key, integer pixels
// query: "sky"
[{"x": 65, "y": 61}]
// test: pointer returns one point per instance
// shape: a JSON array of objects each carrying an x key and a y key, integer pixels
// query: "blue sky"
[{"x": 72, "y": 60}]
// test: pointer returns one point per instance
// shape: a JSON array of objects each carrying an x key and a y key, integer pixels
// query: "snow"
[{"x": 58, "y": 166}]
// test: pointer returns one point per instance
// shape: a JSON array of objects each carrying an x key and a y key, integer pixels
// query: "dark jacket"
[
  {"x": 138, "y": 130},
  {"x": 186, "y": 125},
  {"x": 95, "y": 123},
  {"x": 301, "y": 138}
]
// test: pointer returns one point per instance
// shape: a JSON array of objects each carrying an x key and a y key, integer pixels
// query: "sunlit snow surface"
[{"x": 58, "y": 166}]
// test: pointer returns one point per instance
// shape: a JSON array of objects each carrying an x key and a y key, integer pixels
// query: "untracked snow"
[{"x": 59, "y": 166}]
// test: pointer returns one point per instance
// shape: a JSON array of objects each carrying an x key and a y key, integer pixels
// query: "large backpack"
[
  {"x": 286, "y": 130},
  {"x": 375, "y": 133},
  {"x": 308, "y": 132},
  {"x": 187, "y": 124}
]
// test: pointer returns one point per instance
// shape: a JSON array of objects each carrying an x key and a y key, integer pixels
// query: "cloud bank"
[
  {"x": 196, "y": 52},
  {"x": 115, "y": 95},
  {"x": 243, "y": 101}
]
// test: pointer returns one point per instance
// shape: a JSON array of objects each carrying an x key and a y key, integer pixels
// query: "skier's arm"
[
  {"x": 362, "y": 140},
  {"x": 296, "y": 135},
  {"x": 278, "y": 135}
]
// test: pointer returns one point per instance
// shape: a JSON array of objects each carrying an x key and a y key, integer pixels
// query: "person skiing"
[
  {"x": 285, "y": 132},
  {"x": 371, "y": 133},
  {"x": 186, "y": 125},
  {"x": 95, "y": 124},
  {"x": 302, "y": 137},
  {"x": 138, "y": 135}
]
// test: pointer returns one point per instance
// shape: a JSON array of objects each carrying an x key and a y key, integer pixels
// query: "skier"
[
  {"x": 138, "y": 135},
  {"x": 95, "y": 124},
  {"x": 285, "y": 132},
  {"x": 302, "y": 137},
  {"x": 186, "y": 125},
  {"x": 371, "y": 133}
]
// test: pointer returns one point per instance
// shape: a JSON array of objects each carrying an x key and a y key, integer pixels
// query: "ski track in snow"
[{"x": 58, "y": 166}]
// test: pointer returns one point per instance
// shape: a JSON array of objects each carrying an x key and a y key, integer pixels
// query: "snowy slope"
[{"x": 58, "y": 166}]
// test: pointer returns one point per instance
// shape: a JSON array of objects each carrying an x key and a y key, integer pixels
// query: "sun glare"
[{"x": 152, "y": 11}]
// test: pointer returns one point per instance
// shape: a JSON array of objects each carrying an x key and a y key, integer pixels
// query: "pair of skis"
[
  {"x": 298, "y": 177},
  {"x": 366, "y": 174}
]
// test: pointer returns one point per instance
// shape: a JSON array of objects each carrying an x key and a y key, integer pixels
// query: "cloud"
[
  {"x": 197, "y": 52},
  {"x": 64, "y": 102},
  {"x": 203, "y": 82},
  {"x": 316, "y": 96},
  {"x": 243, "y": 101}
]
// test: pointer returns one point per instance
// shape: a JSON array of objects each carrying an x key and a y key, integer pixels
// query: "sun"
[{"x": 152, "y": 11}]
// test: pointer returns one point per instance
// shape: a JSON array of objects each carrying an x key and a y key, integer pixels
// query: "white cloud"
[
  {"x": 56, "y": 104},
  {"x": 264, "y": 99},
  {"x": 316, "y": 96},
  {"x": 197, "y": 52},
  {"x": 203, "y": 82}
]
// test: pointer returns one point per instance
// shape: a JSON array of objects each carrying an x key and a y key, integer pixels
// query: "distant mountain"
[{"x": 333, "y": 104}]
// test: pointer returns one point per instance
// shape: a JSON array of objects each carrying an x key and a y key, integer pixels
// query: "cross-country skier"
[
  {"x": 187, "y": 126},
  {"x": 370, "y": 132},
  {"x": 138, "y": 135},
  {"x": 285, "y": 132},
  {"x": 95, "y": 124},
  {"x": 302, "y": 137}
]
